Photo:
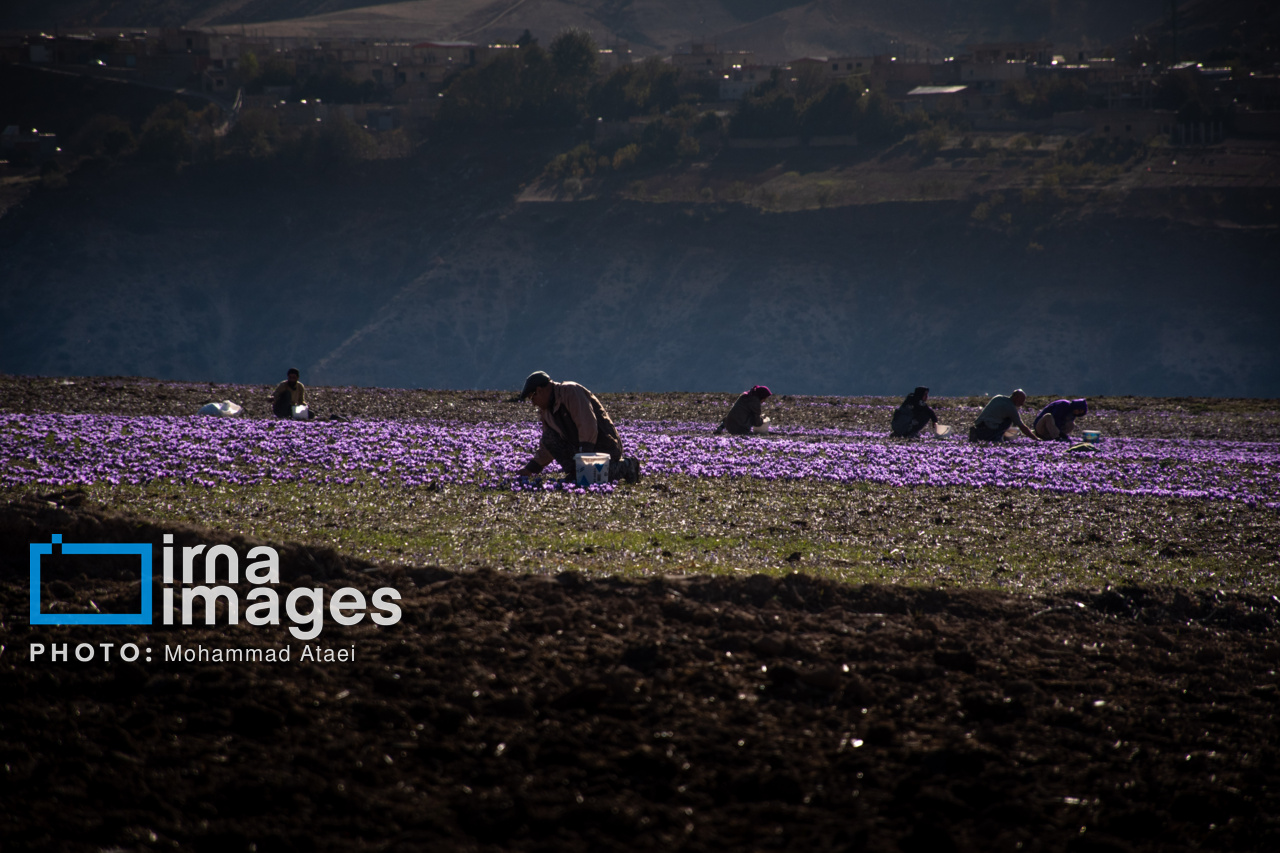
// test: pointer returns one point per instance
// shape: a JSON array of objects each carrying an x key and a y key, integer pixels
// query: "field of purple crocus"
[{"x": 65, "y": 450}]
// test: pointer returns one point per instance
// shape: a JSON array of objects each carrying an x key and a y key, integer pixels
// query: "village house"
[
  {"x": 707, "y": 62},
  {"x": 740, "y": 80},
  {"x": 839, "y": 67},
  {"x": 809, "y": 67},
  {"x": 896, "y": 77},
  {"x": 937, "y": 99},
  {"x": 17, "y": 144}
]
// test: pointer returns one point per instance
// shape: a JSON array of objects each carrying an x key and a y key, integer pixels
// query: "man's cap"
[
  {"x": 536, "y": 380},
  {"x": 292, "y": 370}
]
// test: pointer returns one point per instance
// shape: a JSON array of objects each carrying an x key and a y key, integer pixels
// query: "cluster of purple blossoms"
[{"x": 62, "y": 450}]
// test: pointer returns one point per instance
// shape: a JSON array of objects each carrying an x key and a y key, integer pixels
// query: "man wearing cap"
[
  {"x": 288, "y": 394},
  {"x": 998, "y": 415},
  {"x": 573, "y": 421},
  {"x": 1057, "y": 419},
  {"x": 912, "y": 416},
  {"x": 745, "y": 412}
]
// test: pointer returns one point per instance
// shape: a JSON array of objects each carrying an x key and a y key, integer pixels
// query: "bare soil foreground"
[{"x": 584, "y": 711}]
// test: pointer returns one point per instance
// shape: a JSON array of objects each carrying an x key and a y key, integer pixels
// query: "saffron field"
[
  {"x": 826, "y": 492},
  {"x": 69, "y": 450}
]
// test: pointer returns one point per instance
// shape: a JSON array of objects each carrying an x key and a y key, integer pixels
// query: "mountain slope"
[
  {"x": 428, "y": 274},
  {"x": 776, "y": 30}
]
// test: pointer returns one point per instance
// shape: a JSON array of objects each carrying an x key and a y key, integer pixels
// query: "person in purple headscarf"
[
  {"x": 745, "y": 413},
  {"x": 1057, "y": 419}
]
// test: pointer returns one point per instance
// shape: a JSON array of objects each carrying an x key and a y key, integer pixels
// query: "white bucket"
[
  {"x": 763, "y": 428},
  {"x": 940, "y": 429},
  {"x": 593, "y": 468},
  {"x": 1092, "y": 436},
  {"x": 301, "y": 413}
]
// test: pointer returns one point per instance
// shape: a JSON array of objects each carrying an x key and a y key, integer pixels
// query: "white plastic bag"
[{"x": 225, "y": 409}]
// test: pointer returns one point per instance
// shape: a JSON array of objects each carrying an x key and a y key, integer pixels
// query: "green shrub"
[{"x": 625, "y": 156}]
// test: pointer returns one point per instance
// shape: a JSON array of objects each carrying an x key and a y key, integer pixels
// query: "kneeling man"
[{"x": 573, "y": 421}]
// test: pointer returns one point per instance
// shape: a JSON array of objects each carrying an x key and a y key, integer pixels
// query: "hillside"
[
  {"x": 776, "y": 30},
  {"x": 429, "y": 273}
]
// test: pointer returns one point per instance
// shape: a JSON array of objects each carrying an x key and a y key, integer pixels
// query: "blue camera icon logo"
[{"x": 141, "y": 549}]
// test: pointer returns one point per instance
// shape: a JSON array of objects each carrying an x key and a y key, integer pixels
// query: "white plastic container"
[
  {"x": 593, "y": 468},
  {"x": 1092, "y": 436},
  {"x": 301, "y": 413},
  {"x": 763, "y": 428}
]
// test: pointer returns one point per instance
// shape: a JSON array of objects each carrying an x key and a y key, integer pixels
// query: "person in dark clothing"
[
  {"x": 745, "y": 412},
  {"x": 573, "y": 421},
  {"x": 913, "y": 415}
]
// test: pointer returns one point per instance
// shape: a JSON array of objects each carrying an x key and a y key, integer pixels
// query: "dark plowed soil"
[{"x": 525, "y": 713}]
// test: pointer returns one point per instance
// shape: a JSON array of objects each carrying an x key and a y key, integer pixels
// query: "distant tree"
[
  {"x": 708, "y": 122},
  {"x": 626, "y": 156},
  {"x": 683, "y": 113},
  {"x": 880, "y": 122},
  {"x": 687, "y": 147},
  {"x": 811, "y": 79},
  {"x": 337, "y": 142},
  {"x": 516, "y": 88},
  {"x": 660, "y": 141},
  {"x": 103, "y": 136},
  {"x": 832, "y": 113},
  {"x": 249, "y": 67},
  {"x": 256, "y": 134},
  {"x": 639, "y": 89},
  {"x": 771, "y": 116},
  {"x": 930, "y": 141},
  {"x": 543, "y": 101},
  {"x": 575, "y": 163},
  {"x": 484, "y": 95},
  {"x": 174, "y": 110},
  {"x": 164, "y": 140},
  {"x": 575, "y": 55},
  {"x": 1045, "y": 97}
]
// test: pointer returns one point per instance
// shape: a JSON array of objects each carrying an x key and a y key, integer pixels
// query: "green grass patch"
[{"x": 945, "y": 537}]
